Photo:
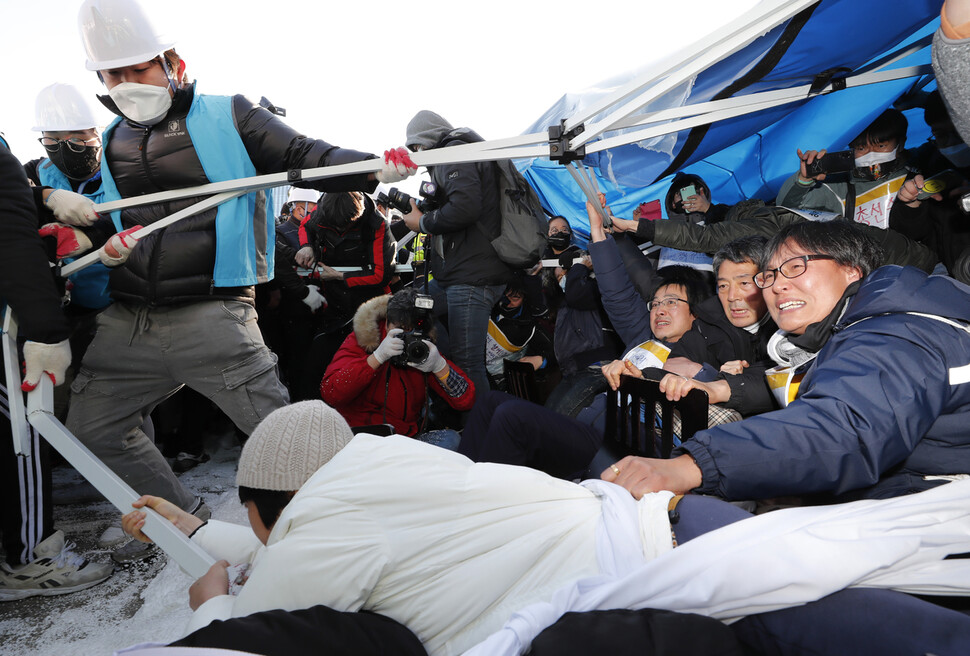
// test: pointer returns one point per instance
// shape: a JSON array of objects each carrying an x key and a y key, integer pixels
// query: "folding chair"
[
  {"x": 520, "y": 380},
  {"x": 637, "y": 406}
]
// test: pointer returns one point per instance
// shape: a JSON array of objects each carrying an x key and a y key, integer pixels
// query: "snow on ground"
[{"x": 141, "y": 602}]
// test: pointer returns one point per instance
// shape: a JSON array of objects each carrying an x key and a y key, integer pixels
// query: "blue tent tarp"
[{"x": 750, "y": 156}]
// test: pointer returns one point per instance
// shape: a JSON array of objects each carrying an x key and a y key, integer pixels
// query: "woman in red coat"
[{"x": 373, "y": 379}]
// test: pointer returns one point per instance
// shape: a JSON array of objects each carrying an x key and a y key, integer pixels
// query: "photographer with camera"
[
  {"x": 469, "y": 277},
  {"x": 382, "y": 372}
]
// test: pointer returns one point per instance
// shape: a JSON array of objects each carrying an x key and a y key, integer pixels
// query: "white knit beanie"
[{"x": 290, "y": 445}]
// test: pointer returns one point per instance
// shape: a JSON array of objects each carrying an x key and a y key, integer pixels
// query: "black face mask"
[
  {"x": 560, "y": 240},
  {"x": 77, "y": 166}
]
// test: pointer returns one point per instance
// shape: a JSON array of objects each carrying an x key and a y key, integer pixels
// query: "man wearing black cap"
[{"x": 469, "y": 277}]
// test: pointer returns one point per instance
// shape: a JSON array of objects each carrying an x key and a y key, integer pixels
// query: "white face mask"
[
  {"x": 872, "y": 158},
  {"x": 142, "y": 103}
]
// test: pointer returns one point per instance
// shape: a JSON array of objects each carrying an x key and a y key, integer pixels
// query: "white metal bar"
[
  {"x": 15, "y": 398},
  {"x": 40, "y": 403},
  {"x": 191, "y": 210},
  {"x": 476, "y": 152},
  {"x": 684, "y": 64},
  {"x": 730, "y": 110},
  {"x": 760, "y": 100}
]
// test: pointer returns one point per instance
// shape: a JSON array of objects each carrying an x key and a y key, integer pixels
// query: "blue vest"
[
  {"x": 90, "y": 284},
  {"x": 245, "y": 226}
]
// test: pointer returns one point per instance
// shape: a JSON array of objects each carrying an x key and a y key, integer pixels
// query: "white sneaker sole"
[{"x": 7, "y": 594}]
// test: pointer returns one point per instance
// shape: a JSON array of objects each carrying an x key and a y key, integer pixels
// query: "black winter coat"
[
  {"x": 26, "y": 283},
  {"x": 466, "y": 221},
  {"x": 175, "y": 264},
  {"x": 714, "y": 340}
]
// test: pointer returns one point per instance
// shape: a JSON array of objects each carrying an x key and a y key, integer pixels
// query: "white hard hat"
[
  {"x": 62, "y": 107},
  {"x": 118, "y": 33},
  {"x": 299, "y": 195}
]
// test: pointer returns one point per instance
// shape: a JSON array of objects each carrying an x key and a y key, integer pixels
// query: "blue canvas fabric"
[{"x": 750, "y": 156}]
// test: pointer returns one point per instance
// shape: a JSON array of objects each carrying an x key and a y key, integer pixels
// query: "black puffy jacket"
[
  {"x": 175, "y": 264},
  {"x": 466, "y": 221}
]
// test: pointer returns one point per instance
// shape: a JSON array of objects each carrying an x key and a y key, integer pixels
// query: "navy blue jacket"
[{"x": 886, "y": 402}]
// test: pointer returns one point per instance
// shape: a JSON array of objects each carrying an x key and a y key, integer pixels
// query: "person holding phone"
[{"x": 860, "y": 184}]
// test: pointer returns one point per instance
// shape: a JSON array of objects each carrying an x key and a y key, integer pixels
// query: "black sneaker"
[{"x": 186, "y": 461}]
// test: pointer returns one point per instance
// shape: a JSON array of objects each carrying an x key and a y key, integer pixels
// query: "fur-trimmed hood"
[{"x": 369, "y": 322}]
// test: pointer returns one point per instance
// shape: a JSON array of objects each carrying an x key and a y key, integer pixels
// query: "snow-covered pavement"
[{"x": 146, "y": 601}]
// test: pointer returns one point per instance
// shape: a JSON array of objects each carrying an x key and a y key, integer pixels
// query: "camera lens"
[{"x": 417, "y": 352}]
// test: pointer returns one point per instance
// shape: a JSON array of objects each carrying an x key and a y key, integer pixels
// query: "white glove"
[
  {"x": 314, "y": 299},
  {"x": 118, "y": 248},
  {"x": 305, "y": 257},
  {"x": 397, "y": 166},
  {"x": 435, "y": 361},
  {"x": 71, "y": 208},
  {"x": 40, "y": 358},
  {"x": 391, "y": 346}
]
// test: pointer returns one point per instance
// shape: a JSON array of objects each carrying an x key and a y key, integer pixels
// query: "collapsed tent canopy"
[{"x": 751, "y": 154}]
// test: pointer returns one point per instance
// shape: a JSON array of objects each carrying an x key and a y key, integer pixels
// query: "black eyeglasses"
[
  {"x": 74, "y": 143},
  {"x": 789, "y": 268},
  {"x": 668, "y": 303}
]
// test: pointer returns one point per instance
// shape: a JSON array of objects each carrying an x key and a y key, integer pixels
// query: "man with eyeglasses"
[
  {"x": 69, "y": 184},
  {"x": 883, "y": 405}
]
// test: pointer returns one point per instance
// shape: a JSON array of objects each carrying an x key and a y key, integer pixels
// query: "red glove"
[
  {"x": 119, "y": 247},
  {"x": 70, "y": 241},
  {"x": 649, "y": 211},
  {"x": 397, "y": 166}
]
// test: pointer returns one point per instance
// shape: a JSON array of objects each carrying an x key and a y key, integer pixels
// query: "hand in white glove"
[
  {"x": 50, "y": 359},
  {"x": 434, "y": 363},
  {"x": 305, "y": 257},
  {"x": 118, "y": 248},
  {"x": 70, "y": 241},
  {"x": 71, "y": 208},
  {"x": 314, "y": 299},
  {"x": 391, "y": 346},
  {"x": 397, "y": 166}
]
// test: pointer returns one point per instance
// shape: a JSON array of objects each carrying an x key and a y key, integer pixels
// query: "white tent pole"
[
  {"x": 686, "y": 63},
  {"x": 589, "y": 190},
  {"x": 475, "y": 152},
  {"x": 731, "y": 109},
  {"x": 15, "y": 398},
  {"x": 767, "y": 98},
  {"x": 201, "y": 206},
  {"x": 40, "y": 403}
]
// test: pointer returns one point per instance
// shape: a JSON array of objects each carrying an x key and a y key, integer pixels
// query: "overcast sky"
[{"x": 354, "y": 73}]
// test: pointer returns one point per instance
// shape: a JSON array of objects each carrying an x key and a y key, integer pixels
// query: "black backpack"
[{"x": 524, "y": 233}]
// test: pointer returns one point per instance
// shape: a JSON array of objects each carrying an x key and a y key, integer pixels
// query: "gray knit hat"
[
  {"x": 426, "y": 129},
  {"x": 290, "y": 445}
]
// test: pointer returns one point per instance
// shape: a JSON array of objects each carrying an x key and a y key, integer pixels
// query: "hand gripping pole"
[{"x": 40, "y": 404}]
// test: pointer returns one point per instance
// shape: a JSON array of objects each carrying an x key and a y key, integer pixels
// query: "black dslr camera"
[
  {"x": 402, "y": 202},
  {"x": 415, "y": 350}
]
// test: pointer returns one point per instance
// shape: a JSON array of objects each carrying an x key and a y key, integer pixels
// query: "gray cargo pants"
[{"x": 142, "y": 355}]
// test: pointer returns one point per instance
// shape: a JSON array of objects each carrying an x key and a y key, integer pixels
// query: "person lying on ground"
[{"x": 456, "y": 550}]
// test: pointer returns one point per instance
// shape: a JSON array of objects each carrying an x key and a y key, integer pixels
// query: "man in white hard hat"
[
  {"x": 70, "y": 179},
  {"x": 300, "y": 202},
  {"x": 183, "y": 310}
]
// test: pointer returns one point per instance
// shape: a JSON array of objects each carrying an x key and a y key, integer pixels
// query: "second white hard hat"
[
  {"x": 118, "y": 33},
  {"x": 62, "y": 107},
  {"x": 299, "y": 195}
]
